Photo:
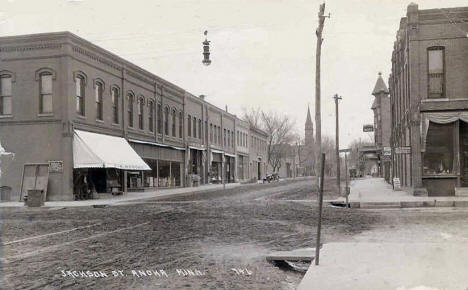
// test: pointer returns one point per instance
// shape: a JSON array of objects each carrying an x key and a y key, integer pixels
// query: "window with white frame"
[
  {"x": 5, "y": 95},
  {"x": 45, "y": 97}
]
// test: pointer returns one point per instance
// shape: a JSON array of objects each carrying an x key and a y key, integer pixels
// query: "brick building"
[
  {"x": 382, "y": 127},
  {"x": 429, "y": 101},
  {"x": 64, "y": 100}
]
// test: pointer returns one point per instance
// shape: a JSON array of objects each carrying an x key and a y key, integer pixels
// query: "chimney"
[
  {"x": 226, "y": 108},
  {"x": 202, "y": 97}
]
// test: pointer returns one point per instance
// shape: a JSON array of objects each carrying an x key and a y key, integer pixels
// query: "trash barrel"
[
  {"x": 5, "y": 192},
  {"x": 35, "y": 198}
]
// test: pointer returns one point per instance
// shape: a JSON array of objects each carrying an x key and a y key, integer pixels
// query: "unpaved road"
[{"x": 208, "y": 234}]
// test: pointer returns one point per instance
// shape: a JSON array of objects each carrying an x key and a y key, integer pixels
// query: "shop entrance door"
[
  {"x": 259, "y": 171},
  {"x": 464, "y": 153}
]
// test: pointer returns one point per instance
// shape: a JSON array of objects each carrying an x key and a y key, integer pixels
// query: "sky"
[{"x": 262, "y": 51}]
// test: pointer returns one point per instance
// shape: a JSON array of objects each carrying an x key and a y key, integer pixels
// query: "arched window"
[
  {"x": 159, "y": 119},
  {"x": 5, "y": 94},
  {"x": 181, "y": 123},
  {"x": 80, "y": 84},
  {"x": 166, "y": 121},
  {"x": 131, "y": 101},
  {"x": 98, "y": 91},
  {"x": 45, "y": 96},
  {"x": 151, "y": 116},
  {"x": 174, "y": 122},
  {"x": 141, "y": 107},
  {"x": 115, "y": 104}
]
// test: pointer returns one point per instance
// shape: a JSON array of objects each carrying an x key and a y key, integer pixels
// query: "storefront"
[
  {"x": 242, "y": 167},
  {"x": 445, "y": 152},
  {"x": 101, "y": 163},
  {"x": 229, "y": 166},
  {"x": 196, "y": 166},
  {"x": 165, "y": 161},
  {"x": 216, "y": 168}
]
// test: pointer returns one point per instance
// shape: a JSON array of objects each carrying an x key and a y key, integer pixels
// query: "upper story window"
[
  {"x": 194, "y": 127},
  {"x": 224, "y": 137},
  {"x": 211, "y": 133},
  {"x": 219, "y": 135},
  {"x": 141, "y": 107},
  {"x": 206, "y": 130},
  {"x": 436, "y": 72},
  {"x": 80, "y": 83},
  {"x": 189, "y": 125},
  {"x": 115, "y": 105},
  {"x": 151, "y": 116},
  {"x": 200, "y": 131},
  {"x": 98, "y": 91},
  {"x": 181, "y": 124},
  {"x": 131, "y": 101},
  {"x": 5, "y": 94},
  {"x": 159, "y": 119},
  {"x": 45, "y": 96},
  {"x": 174, "y": 117},
  {"x": 166, "y": 121}
]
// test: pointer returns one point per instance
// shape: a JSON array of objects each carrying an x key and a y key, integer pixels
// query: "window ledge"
[
  {"x": 81, "y": 117},
  {"x": 116, "y": 124},
  {"x": 6, "y": 116},
  {"x": 100, "y": 121},
  {"x": 45, "y": 114}
]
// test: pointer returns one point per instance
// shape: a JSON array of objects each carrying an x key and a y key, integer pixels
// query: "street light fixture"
[{"x": 206, "y": 50}]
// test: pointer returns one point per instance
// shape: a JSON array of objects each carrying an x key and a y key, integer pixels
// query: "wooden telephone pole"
[
  {"x": 318, "y": 119},
  {"x": 337, "y": 139}
]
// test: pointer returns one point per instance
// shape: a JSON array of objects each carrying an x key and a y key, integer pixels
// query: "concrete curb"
[{"x": 409, "y": 204}]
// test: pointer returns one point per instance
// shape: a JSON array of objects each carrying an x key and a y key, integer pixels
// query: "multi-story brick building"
[
  {"x": 382, "y": 127},
  {"x": 67, "y": 101},
  {"x": 429, "y": 101}
]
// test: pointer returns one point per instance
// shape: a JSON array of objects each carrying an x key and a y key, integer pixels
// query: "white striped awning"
[{"x": 93, "y": 150}]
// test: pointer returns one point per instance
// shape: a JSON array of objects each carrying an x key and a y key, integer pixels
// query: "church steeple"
[
  {"x": 309, "y": 129},
  {"x": 309, "y": 124}
]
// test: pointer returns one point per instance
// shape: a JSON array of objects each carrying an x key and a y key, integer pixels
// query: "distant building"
[
  {"x": 382, "y": 128},
  {"x": 429, "y": 101}
]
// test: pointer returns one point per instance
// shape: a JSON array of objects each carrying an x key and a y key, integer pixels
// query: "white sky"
[{"x": 263, "y": 51}]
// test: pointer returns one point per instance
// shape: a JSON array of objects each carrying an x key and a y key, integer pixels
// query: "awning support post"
[{"x": 125, "y": 181}]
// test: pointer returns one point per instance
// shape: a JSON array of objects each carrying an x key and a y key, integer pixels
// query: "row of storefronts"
[{"x": 110, "y": 126}]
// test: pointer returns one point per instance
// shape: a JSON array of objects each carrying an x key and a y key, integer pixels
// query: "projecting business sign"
[
  {"x": 387, "y": 151},
  {"x": 368, "y": 128}
]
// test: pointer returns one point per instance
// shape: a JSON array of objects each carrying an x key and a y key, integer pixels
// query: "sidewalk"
[
  {"x": 376, "y": 193},
  {"x": 129, "y": 197},
  {"x": 399, "y": 266}
]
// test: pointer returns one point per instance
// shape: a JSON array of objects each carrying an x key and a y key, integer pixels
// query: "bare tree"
[
  {"x": 280, "y": 132},
  {"x": 253, "y": 116},
  {"x": 280, "y": 129}
]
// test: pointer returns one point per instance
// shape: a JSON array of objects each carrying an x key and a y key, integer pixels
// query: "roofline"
[{"x": 79, "y": 40}]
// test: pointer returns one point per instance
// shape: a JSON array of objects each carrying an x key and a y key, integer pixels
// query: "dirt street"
[{"x": 210, "y": 240}]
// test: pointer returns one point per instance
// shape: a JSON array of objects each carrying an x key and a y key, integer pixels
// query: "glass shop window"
[{"x": 439, "y": 155}]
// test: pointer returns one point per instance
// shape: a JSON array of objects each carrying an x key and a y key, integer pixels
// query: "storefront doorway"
[{"x": 464, "y": 154}]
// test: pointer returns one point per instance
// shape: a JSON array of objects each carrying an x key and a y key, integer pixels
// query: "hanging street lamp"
[{"x": 206, "y": 50}]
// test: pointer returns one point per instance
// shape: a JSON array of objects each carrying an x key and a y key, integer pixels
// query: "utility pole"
[
  {"x": 318, "y": 122},
  {"x": 337, "y": 139}
]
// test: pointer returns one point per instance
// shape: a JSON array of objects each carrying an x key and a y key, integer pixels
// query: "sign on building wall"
[
  {"x": 55, "y": 166},
  {"x": 368, "y": 128},
  {"x": 403, "y": 150},
  {"x": 387, "y": 151}
]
